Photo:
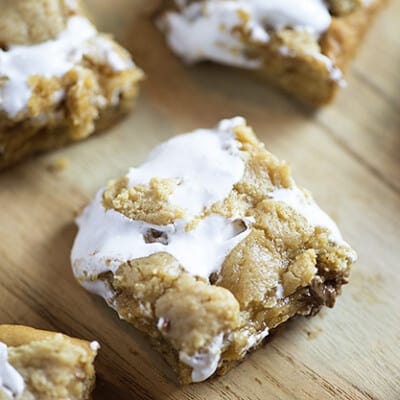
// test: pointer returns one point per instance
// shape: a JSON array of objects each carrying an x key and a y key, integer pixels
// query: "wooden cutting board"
[{"x": 348, "y": 154}]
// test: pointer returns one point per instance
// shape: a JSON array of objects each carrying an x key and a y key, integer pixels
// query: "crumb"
[
  {"x": 58, "y": 165},
  {"x": 313, "y": 334},
  {"x": 133, "y": 351}
]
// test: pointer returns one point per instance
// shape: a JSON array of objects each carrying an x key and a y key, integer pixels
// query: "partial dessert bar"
[
  {"x": 301, "y": 46},
  {"x": 44, "y": 365},
  {"x": 60, "y": 79},
  {"x": 208, "y": 246}
]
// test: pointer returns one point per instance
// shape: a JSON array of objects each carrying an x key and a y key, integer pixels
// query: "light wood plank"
[{"x": 347, "y": 154}]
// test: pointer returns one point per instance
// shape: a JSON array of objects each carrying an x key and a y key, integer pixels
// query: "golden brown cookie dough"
[
  {"x": 207, "y": 282},
  {"x": 74, "y": 81},
  {"x": 47, "y": 365},
  {"x": 32, "y": 22}
]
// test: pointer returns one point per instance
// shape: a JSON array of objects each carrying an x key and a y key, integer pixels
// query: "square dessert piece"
[
  {"x": 301, "y": 46},
  {"x": 207, "y": 246},
  {"x": 60, "y": 79},
  {"x": 43, "y": 365}
]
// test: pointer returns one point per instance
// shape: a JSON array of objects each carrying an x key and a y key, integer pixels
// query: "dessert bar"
[
  {"x": 60, "y": 79},
  {"x": 301, "y": 46},
  {"x": 44, "y": 365},
  {"x": 209, "y": 245}
]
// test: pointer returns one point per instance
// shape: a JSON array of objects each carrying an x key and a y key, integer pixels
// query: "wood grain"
[{"x": 348, "y": 154}]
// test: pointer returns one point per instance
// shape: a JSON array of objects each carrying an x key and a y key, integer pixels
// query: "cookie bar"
[
  {"x": 43, "y": 365},
  {"x": 60, "y": 79},
  {"x": 207, "y": 246},
  {"x": 301, "y": 46}
]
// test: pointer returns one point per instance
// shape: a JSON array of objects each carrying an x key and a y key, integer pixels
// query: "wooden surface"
[{"x": 347, "y": 154}]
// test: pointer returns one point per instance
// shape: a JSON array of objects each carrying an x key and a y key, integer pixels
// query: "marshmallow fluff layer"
[
  {"x": 52, "y": 58},
  {"x": 208, "y": 30},
  {"x": 206, "y": 163},
  {"x": 11, "y": 382},
  {"x": 203, "y": 30}
]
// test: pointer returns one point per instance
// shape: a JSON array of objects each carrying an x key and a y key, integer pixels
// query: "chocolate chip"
[{"x": 155, "y": 236}]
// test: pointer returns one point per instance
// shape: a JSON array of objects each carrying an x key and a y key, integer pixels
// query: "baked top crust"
[
  {"x": 44, "y": 365},
  {"x": 19, "y": 335},
  {"x": 208, "y": 246},
  {"x": 31, "y": 22}
]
